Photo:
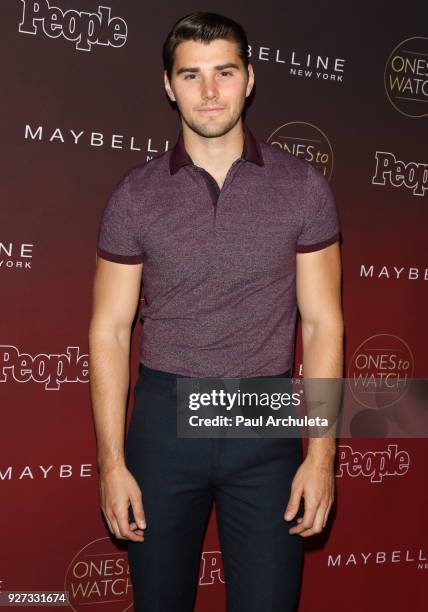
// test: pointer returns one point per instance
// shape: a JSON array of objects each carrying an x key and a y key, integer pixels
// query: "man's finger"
[
  {"x": 137, "y": 512},
  {"x": 317, "y": 523},
  {"x": 135, "y": 528},
  {"x": 327, "y": 512},
  {"x": 293, "y": 504},
  {"x": 124, "y": 529},
  {"x": 308, "y": 519},
  {"x": 115, "y": 526}
]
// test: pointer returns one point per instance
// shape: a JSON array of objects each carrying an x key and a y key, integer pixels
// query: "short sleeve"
[
  {"x": 118, "y": 232},
  {"x": 321, "y": 224}
]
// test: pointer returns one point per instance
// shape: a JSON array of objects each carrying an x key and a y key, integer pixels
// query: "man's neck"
[{"x": 215, "y": 155}]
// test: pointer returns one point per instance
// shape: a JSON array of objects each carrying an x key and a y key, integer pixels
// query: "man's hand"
[
  {"x": 314, "y": 480},
  {"x": 118, "y": 489}
]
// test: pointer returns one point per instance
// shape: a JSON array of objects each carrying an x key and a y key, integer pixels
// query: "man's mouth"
[{"x": 210, "y": 109}]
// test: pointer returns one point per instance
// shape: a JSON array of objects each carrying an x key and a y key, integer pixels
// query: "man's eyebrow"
[{"x": 220, "y": 67}]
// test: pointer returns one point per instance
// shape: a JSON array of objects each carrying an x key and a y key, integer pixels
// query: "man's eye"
[
  {"x": 189, "y": 76},
  {"x": 225, "y": 73}
]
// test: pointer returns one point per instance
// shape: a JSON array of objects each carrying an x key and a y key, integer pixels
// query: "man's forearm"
[
  {"x": 109, "y": 383},
  {"x": 323, "y": 358}
]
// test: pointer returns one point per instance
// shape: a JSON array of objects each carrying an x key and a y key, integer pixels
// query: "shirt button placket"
[{"x": 213, "y": 187}]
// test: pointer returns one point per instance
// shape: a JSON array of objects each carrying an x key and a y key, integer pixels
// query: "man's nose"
[{"x": 209, "y": 88}]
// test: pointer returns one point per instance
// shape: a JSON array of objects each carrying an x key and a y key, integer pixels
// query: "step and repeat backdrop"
[{"x": 343, "y": 85}]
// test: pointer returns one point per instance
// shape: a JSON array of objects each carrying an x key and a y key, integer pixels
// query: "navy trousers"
[{"x": 248, "y": 479}]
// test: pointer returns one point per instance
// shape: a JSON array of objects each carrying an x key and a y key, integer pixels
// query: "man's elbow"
[
  {"x": 327, "y": 327},
  {"x": 103, "y": 330}
]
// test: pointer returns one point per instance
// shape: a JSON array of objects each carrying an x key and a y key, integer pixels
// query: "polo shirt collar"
[{"x": 251, "y": 151}]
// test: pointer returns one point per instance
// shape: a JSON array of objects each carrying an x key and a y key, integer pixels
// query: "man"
[{"x": 231, "y": 235}]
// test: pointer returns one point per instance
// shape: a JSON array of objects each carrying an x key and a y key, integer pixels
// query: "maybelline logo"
[
  {"x": 411, "y": 175},
  {"x": 374, "y": 465},
  {"x": 93, "y": 139},
  {"x": 378, "y": 557},
  {"x": 304, "y": 65},
  {"x": 80, "y": 27},
  {"x": 14, "y": 255},
  {"x": 45, "y": 472},
  {"x": 393, "y": 272},
  {"x": 51, "y": 370}
]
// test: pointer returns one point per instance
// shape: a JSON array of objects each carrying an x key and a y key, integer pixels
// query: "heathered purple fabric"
[{"x": 219, "y": 280}]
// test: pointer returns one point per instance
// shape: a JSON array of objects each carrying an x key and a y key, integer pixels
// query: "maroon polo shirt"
[{"x": 219, "y": 265}]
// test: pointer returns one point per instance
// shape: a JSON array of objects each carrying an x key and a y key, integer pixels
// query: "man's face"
[{"x": 209, "y": 83}]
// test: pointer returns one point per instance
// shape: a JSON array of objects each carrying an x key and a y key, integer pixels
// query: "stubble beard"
[{"x": 211, "y": 129}]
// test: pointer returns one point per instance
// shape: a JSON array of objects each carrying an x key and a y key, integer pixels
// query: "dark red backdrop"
[{"x": 342, "y": 84}]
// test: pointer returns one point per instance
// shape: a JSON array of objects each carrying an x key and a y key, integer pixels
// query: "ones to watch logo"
[
  {"x": 83, "y": 28},
  {"x": 303, "y": 139},
  {"x": 406, "y": 77},
  {"x": 99, "y": 574}
]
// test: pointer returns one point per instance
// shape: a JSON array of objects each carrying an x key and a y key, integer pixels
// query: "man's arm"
[
  {"x": 318, "y": 287},
  {"x": 116, "y": 291}
]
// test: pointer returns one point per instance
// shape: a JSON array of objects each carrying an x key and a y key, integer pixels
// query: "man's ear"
[
  {"x": 251, "y": 78},
  {"x": 168, "y": 88}
]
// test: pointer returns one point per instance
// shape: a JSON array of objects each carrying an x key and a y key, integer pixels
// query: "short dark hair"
[{"x": 204, "y": 27}]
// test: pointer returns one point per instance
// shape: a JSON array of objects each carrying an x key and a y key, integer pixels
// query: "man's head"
[{"x": 207, "y": 73}]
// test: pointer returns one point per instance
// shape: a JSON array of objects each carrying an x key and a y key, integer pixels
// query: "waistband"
[{"x": 144, "y": 369}]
